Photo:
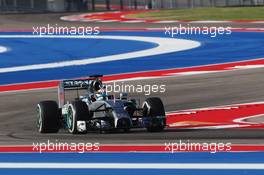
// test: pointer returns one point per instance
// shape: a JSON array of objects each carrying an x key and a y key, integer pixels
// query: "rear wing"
[
  {"x": 78, "y": 84},
  {"x": 75, "y": 84}
]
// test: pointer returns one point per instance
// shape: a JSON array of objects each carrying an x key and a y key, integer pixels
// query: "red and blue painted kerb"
[{"x": 237, "y": 47}]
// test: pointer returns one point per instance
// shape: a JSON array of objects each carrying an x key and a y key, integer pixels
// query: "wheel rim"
[
  {"x": 39, "y": 119},
  {"x": 70, "y": 119}
]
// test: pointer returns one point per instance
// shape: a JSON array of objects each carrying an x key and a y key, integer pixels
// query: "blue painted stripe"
[
  {"x": 46, "y": 50},
  {"x": 221, "y": 49},
  {"x": 126, "y": 172},
  {"x": 195, "y": 157},
  {"x": 199, "y": 157}
]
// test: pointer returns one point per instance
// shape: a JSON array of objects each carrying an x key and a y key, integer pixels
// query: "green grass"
[{"x": 230, "y": 13}]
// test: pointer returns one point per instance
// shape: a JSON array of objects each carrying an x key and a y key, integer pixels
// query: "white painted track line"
[
  {"x": 3, "y": 49},
  {"x": 133, "y": 21},
  {"x": 207, "y": 166},
  {"x": 164, "y": 45}
]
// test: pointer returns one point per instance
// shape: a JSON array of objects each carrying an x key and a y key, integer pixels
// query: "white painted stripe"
[
  {"x": 224, "y": 108},
  {"x": 249, "y": 66},
  {"x": 210, "y": 22},
  {"x": 154, "y": 29},
  {"x": 257, "y": 22},
  {"x": 219, "y": 126},
  {"x": 242, "y": 120},
  {"x": 67, "y": 17},
  {"x": 212, "y": 71},
  {"x": 64, "y": 18},
  {"x": 165, "y": 45},
  {"x": 193, "y": 111},
  {"x": 164, "y": 22},
  {"x": 106, "y": 20},
  {"x": 71, "y": 19},
  {"x": 231, "y": 106},
  {"x": 192, "y": 73},
  {"x": 205, "y": 166},
  {"x": 180, "y": 125},
  {"x": 89, "y": 20},
  {"x": 177, "y": 113},
  {"x": 75, "y": 17},
  {"x": 134, "y": 21},
  {"x": 254, "y": 29},
  {"x": 99, "y": 13},
  {"x": 85, "y": 15},
  {"x": 133, "y": 79},
  {"x": 3, "y": 49}
]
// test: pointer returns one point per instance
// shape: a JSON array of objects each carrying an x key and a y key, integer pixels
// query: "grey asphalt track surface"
[{"x": 18, "y": 109}]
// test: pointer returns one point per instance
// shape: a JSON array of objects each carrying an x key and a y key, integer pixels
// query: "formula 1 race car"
[{"x": 96, "y": 110}]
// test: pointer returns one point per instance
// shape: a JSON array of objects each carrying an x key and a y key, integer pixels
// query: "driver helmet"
[{"x": 101, "y": 95}]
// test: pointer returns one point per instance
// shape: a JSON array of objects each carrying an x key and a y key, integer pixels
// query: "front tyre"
[
  {"x": 77, "y": 111},
  {"x": 48, "y": 120},
  {"x": 153, "y": 109}
]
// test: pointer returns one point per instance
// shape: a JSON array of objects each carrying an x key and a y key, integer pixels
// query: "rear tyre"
[
  {"x": 77, "y": 111},
  {"x": 154, "y": 108},
  {"x": 48, "y": 117}
]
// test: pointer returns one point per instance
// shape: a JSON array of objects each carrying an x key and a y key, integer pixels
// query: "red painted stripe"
[
  {"x": 27, "y": 86},
  {"x": 128, "y": 148},
  {"x": 122, "y": 17},
  {"x": 168, "y": 72},
  {"x": 218, "y": 116}
]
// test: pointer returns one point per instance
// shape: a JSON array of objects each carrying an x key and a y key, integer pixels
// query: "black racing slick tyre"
[
  {"x": 48, "y": 117},
  {"x": 154, "y": 108},
  {"x": 77, "y": 111}
]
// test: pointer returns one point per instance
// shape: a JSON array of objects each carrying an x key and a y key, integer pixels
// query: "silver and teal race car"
[{"x": 96, "y": 110}]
